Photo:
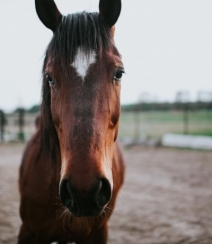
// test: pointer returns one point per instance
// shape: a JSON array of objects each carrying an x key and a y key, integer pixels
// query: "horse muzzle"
[{"x": 88, "y": 203}]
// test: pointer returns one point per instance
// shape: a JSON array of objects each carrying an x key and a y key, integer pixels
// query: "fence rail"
[{"x": 134, "y": 125}]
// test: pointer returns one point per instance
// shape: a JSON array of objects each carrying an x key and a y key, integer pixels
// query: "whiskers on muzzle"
[{"x": 70, "y": 222}]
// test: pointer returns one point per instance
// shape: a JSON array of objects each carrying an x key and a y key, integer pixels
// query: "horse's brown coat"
[{"x": 85, "y": 117}]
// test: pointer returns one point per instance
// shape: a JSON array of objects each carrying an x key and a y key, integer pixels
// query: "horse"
[{"x": 73, "y": 168}]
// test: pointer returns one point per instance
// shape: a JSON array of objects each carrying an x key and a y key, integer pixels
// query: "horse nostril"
[
  {"x": 65, "y": 193},
  {"x": 85, "y": 203},
  {"x": 103, "y": 193}
]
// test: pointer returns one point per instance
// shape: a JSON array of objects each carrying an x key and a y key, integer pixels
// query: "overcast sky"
[{"x": 166, "y": 47}]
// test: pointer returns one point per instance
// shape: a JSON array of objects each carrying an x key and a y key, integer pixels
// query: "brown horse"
[{"x": 72, "y": 168}]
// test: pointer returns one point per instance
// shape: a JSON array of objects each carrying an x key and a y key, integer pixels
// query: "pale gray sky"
[{"x": 166, "y": 47}]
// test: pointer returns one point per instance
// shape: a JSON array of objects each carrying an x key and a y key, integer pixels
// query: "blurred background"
[
  {"x": 142, "y": 122},
  {"x": 166, "y": 121},
  {"x": 167, "y": 53}
]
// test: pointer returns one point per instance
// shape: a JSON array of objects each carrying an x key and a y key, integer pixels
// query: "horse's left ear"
[
  {"x": 109, "y": 11},
  {"x": 48, "y": 13}
]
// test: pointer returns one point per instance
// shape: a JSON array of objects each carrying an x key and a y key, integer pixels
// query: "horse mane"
[{"x": 84, "y": 30}]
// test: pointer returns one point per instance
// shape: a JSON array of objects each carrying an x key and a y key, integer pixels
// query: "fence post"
[
  {"x": 182, "y": 97},
  {"x": 186, "y": 117},
  {"x": 21, "y": 113},
  {"x": 2, "y": 125},
  {"x": 136, "y": 122}
]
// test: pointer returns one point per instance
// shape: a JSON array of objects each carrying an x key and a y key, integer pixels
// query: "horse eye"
[
  {"x": 50, "y": 80},
  {"x": 118, "y": 74}
]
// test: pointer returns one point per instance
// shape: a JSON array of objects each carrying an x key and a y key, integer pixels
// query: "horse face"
[{"x": 85, "y": 110}]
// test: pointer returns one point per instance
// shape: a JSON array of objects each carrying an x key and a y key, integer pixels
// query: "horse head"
[{"x": 81, "y": 102}]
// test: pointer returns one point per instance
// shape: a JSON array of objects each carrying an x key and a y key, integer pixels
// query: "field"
[
  {"x": 156, "y": 124},
  {"x": 166, "y": 199}
]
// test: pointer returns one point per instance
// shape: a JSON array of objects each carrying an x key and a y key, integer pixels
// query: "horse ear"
[
  {"x": 48, "y": 13},
  {"x": 109, "y": 11}
]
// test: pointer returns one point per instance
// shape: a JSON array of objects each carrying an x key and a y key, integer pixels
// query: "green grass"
[{"x": 155, "y": 124}]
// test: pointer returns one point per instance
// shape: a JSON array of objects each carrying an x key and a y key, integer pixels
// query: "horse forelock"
[{"x": 80, "y": 30}]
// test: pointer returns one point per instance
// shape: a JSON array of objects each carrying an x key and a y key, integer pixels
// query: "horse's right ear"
[{"x": 48, "y": 13}]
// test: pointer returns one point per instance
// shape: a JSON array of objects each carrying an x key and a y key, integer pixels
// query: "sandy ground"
[{"x": 166, "y": 199}]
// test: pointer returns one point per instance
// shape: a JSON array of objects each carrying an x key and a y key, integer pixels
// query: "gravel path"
[{"x": 167, "y": 197}]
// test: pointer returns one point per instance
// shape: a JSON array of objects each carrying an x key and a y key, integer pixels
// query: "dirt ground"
[{"x": 166, "y": 199}]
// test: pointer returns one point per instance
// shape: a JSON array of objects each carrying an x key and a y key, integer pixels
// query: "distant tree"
[{"x": 34, "y": 109}]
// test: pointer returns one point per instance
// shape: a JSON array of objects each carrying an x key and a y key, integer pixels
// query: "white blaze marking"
[{"x": 82, "y": 62}]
